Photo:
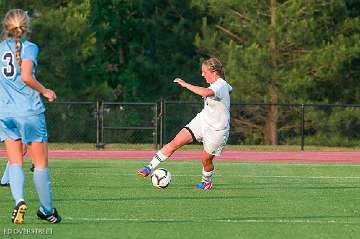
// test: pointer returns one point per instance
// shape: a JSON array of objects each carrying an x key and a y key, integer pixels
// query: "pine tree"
[{"x": 281, "y": 51}]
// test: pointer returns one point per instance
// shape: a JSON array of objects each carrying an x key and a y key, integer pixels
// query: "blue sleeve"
[{"x": 30, "y": 52}]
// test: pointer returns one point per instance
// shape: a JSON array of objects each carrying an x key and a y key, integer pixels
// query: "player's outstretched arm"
[
  {"x": 202, "y": 91},
  {"x": 30, "y": 80}
]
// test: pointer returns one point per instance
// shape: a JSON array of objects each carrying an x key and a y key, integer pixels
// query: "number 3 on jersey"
[{"x": 8, "y": 69}]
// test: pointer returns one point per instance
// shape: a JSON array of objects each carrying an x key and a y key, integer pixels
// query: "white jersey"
[{"x": 216, "y": 112}]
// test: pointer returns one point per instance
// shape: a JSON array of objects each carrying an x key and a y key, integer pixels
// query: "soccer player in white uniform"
[
  {"x": 22, "y": 118},
  {"x": 211, "y": 126}
]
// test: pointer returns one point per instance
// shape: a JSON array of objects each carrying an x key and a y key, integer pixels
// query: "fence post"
[
  {"x": 155, "y": 131},
  {"x": 99, "y": 125},
  {"x": 302, "y": 126},
  {"x": 161, "y": 115}
]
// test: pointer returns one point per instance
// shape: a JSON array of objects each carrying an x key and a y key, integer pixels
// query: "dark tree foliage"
[{"x": 274, "y": 51}]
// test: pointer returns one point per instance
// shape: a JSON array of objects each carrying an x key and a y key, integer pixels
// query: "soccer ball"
[{"x": 161, "y": 178}]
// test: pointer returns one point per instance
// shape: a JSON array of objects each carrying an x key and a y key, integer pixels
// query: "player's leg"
[
  {"x": 39, "y": 155},
  {"x": 17, "y": 178},
  {"x": 207, "y": 171},
  {"x": 214, "y": 143},
  {"x": 5, "y": 180},
  {"x": 24, "y": 153},
  {"x": 24, "y": 149},
  {"x": 34, "y": 131},
  {"x": 182, "y": 138},
  {"x": 32, "y": 167}
]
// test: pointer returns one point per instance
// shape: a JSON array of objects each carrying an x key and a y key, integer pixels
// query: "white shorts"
[{"x": 214, "y": 141}]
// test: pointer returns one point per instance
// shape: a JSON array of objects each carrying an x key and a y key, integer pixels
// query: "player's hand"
[
  {"x": 180, "y": 82},
  {"x": 50, "y": 95},
  {"x": 24, "y": 149}
]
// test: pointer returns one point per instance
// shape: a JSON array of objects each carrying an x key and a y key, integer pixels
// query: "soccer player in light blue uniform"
[
  {"x": 22, "y": 118},
  {"x": 5, "y": 180}
]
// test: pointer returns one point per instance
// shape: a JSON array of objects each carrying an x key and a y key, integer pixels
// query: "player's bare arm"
[
  {"x": 202, "y": 91},
  {"x": 30, "y": 80}
]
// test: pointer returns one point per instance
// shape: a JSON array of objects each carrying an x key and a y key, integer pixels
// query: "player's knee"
[
  {"x": 40, "y": 165},
  {"x": 16, "y": 162}
]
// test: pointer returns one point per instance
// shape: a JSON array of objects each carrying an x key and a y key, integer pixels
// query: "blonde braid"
[
  {"x": 18, "y": 34},
  {"x": 16, "y": 24}
]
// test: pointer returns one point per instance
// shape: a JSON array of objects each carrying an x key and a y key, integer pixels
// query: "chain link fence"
[
  {"x": 128, "y": 122},
  {"x": 72, "y": 122},
  {"x": 158, "y": 122}
]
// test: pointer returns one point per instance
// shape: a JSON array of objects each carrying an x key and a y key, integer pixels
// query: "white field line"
[
  {"x": 164, "y": 220},
  {"x": 281, "y": 176},
  {"x": 286, "y": 164},
  {"x": 219, "y": 175},
  {"x": 277, "y": 163},
  {"x": 192, "y": 220}
]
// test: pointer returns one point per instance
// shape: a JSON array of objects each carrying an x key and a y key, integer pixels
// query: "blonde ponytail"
[
  {"x": 18, "y": 35},
  {"x": 214, "y": 65},
  {"x": 16, "y": 24}
]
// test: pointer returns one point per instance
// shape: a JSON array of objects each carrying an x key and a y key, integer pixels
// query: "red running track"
[{"x": 261, "y": 156}]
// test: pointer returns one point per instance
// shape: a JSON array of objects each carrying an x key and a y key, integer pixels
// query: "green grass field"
[{"x": 106, "y": 199}]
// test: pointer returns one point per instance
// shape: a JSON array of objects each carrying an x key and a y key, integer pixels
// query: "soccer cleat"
[
  {"x": 52, "y": 218},
  {"x": 19, "y": 213},
  {"x": 32, "y": 168},
  {"x": 204, "y": 186},
  {"x": 144, "y": 172},
  {"x": 4, "y": 184}
]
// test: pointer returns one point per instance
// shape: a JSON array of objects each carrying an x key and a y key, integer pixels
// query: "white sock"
[
  {"x": 20, "y": 200},
  {"x": 206, "y": 176},
  {"x": 157, "y": 159}
]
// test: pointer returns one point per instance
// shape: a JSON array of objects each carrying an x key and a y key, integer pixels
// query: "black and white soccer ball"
[{"x": 161, "y": 178}]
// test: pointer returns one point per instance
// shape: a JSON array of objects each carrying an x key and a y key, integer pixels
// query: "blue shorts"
[{"x": 28, "y": 129}]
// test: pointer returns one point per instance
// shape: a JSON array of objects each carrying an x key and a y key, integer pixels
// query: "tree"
[
  {"x": 62, "y": 31},
  {"x": 282, "y": 51},
  {"x": 144, "y": 45}
]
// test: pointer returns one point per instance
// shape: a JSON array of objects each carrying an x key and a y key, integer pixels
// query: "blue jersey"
[{"x": 16, "y": 98}]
